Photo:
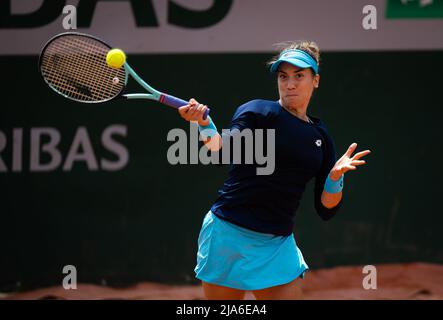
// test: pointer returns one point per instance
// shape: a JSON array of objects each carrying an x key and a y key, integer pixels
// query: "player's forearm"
[
  {"x": 214, "y": 143},
  {"x": 330, "y": 200}
]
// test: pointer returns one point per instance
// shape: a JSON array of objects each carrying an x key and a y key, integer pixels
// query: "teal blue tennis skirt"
[{"x": 235, "y": 257}]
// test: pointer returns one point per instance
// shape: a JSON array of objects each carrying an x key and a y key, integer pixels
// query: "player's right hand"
[{"x": 194, "y": 111}]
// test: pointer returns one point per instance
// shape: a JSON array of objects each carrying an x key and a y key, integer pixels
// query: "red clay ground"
[{"x": 394, "y": 281}]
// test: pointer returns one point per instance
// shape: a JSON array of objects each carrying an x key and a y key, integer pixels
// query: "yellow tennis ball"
[{"x": 115, "y": 58}]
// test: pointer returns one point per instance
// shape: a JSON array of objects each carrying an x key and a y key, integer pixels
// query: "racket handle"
[{"x": 177, "y": 103}]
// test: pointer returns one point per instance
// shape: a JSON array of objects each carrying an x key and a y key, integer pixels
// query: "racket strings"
[
  {"x": 64, "y": 78},
  {"x": 75, "y": 66},
  {"x": 75, "y": 71},
  {"x": 97, "y": 83},
  {"x": 100, "y": 60},
  {"x": 72, "y": 78}
]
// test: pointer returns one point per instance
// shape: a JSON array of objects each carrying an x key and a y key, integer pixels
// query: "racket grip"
[{"x": 177, "y": 103}]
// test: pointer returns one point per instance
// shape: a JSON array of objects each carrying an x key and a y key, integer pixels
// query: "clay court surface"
[{"x": 394, "y": 281}]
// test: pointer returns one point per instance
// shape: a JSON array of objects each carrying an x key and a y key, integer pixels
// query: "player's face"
[{"x": 295, "y": 85}]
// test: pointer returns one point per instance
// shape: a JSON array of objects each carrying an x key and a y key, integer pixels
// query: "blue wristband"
[
  {"x": 208, "y": 131},
  {"x": 334, "y": 186}
]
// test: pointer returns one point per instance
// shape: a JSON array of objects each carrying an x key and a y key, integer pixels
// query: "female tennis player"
[{"x": 246, "y": 242}]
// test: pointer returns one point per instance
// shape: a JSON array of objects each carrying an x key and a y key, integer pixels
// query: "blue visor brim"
[{"x": 294, "y": 61}]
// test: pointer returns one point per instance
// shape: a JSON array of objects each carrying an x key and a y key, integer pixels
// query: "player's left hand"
[{"x": 346, "y": 162}]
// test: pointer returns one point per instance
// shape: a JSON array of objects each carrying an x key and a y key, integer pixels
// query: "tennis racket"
[{"x": 74, "y": 65}]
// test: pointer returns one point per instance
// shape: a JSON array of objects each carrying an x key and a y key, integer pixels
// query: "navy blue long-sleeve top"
[{"x": 268, "y": 203}]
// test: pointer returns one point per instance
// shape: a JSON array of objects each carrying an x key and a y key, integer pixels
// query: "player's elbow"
[
  {"x": 327, "y": 213},
  {"x": 326, "y": 216}
]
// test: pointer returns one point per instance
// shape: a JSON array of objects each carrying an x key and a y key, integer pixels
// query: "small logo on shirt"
[{"x": 318, "y": 143}]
